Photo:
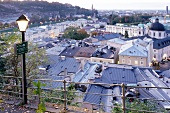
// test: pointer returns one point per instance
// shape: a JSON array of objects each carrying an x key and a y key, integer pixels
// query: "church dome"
[{"x": 157, "y": 26}]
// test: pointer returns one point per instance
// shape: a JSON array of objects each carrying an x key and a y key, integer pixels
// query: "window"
[
  {"x": 129, "y": 62},
  {"x": 154, "y": 34},
  {"x": 139, "y": 32},
  {"x": 159, "y": 34},
  {"x": 154, "y": 50},
  {"x": 136, "y": 62},
  {"x": 154, "y": 56},
  {"x": 123, "y": 60},
  {"x": 141, "y": 62}
]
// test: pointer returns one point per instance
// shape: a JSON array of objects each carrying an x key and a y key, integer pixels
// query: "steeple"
[
  {"x": 93, "y": 13},
  {"x": 111, "y": 18},
  {"x": 92, "y": 7}
]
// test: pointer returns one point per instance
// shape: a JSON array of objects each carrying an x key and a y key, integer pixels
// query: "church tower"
[{"x": 92, "y": 11}]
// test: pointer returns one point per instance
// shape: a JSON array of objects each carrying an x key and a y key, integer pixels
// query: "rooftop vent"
[{"x": 63, "y": 57}]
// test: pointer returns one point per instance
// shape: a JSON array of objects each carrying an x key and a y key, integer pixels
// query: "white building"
[
  {"x": 161, "y": 45},
  {"x": 157, "y": 44},
  {"x": 132, "y": 31}
]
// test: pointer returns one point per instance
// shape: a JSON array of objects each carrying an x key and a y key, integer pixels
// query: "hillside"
[{"x": 41, "y": 8}]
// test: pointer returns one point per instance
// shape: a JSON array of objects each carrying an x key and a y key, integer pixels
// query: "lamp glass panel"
[{"x": 22, "y": 24}]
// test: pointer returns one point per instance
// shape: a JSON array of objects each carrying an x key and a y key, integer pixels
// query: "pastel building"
[{"x": 132, "y": 30}]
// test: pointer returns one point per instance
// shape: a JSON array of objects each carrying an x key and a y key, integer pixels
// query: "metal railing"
[{"x": 14, "y": 92}]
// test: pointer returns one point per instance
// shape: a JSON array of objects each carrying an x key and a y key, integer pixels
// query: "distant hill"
[{"x": 40, "y": 8}]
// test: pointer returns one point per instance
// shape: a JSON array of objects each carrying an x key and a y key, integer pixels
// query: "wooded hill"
[{"x": 9, "y": 8}]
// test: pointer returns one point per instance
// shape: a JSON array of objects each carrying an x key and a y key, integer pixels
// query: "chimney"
[
  {"x": 65, "y": 72},
  {"x": 82, "y": 64},
  {"x": 63, "y": 57},
  {"x": 72, "y": 46},
  {"x": 104, "y": 66}
]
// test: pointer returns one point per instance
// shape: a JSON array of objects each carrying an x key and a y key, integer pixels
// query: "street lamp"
[{"x": 22, "y": 22}]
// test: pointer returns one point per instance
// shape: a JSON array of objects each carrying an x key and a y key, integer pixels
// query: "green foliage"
[
  {"x": 13, "y": 61},
  {"x": 38, "y": 91},
  {"x": 38, "y": 86},
  {"x": 117, "y": 108},
  {"x": 126, "y": 34},
  {"x": 74, "y": 33},
  {"x": 70, "y": 32},
  {"x": 134, "y": 19},
  {"x": 41, "y": 108},
  {"x": 43, "y": 8},
  {"x": 137, "y": 105},
  {"x": 34, "y": 58},
  {"x": 60, "y": 94}
]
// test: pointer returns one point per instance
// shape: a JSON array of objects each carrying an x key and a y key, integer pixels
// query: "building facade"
[{"x": 132, "y": 31}]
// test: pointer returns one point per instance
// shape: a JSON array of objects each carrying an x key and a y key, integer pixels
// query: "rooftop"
[
  {"x": 107, "y": 36},
  {"x": 104, "y": 53},
  {"x": 71, "y": 64},
  {"x": 117, "y": 76},
  {"x": 85, "y": 52},
  {"x": 70, "y": 51},
  {"x": 133, "y": 49}
]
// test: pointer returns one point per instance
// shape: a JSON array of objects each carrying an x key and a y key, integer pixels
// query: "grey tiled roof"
[
  {"x": 107, "y": 36},
  {"x": 166, "y": 73},
  {"x": 161, "y": 43},
  {"x": 69, "y": 52},
  {"x": 117, "y": 76},
  {"x": 136, "y": 37},
  {"x": 54, "y": 84},
  {"x": 94, "y": 98},
  {"x": 140, "y": 75},
  {"x": 70, "y": 64},
  {"x": 101, "y": 54},
  {"x": 157, "y": 44},
  {"x": 102, "y": 99},
  {"x": 167, "y": 31}
]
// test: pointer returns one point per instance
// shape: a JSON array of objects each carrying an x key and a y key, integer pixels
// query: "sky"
[{"x": 118, "y": 4}]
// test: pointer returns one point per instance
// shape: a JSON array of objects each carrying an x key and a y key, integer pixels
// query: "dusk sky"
[{"x": 118, "y": 4}]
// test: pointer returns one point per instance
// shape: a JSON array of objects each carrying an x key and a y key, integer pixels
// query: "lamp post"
[{"x": 22, "y": 22}]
